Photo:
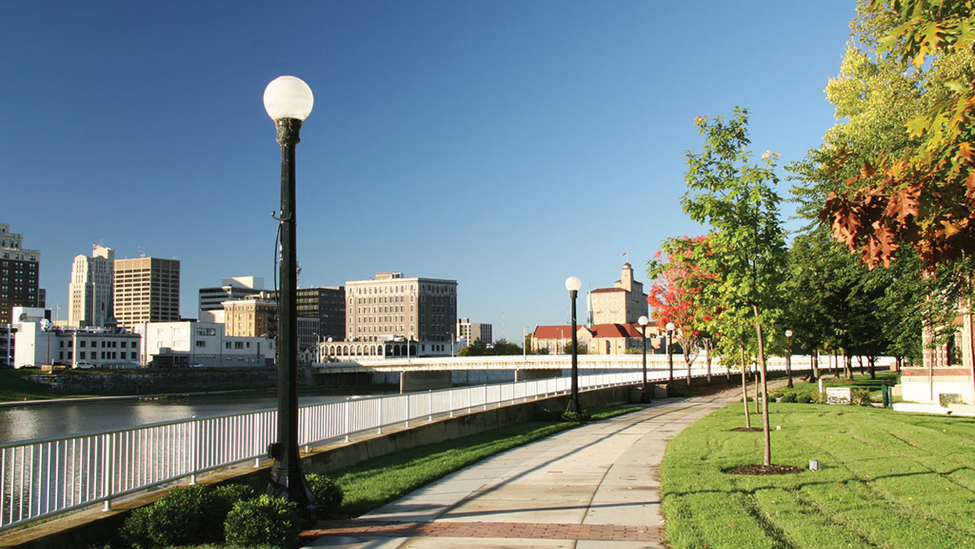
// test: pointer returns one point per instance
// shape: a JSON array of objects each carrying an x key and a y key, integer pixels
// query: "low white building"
[
  {"x": 191, "y": 343},
  {"x": 40, "y": 342}
]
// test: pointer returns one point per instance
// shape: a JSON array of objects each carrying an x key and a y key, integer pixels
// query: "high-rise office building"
[
  {"x": 474, "y": 331},
  {"x": 324, "y": 303},
  {"x": 146, "y": 290},
  {"x": 90, "y": 292},
  {"x": 238, "y": 287},
  {"x": 19, "y": 275},
  {"x": 390, "y": 306}
]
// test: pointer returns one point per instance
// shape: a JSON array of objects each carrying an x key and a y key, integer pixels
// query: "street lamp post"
[
  {"x": 788, "y": 357},
  {"x": 645, "y": 395},
  {"x": 670, "y": 358},
  {"x": 288, "y": 101},
  {"x": 573, "y": 284}
]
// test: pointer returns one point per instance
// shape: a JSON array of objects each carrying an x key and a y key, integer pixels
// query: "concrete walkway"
[{"x": 591, "y": 487}]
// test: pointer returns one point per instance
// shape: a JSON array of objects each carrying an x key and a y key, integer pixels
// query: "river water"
[{"x": 74, "y": 418}]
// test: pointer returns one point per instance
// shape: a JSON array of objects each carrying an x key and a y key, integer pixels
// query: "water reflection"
[{"x": 33, "y": 422}]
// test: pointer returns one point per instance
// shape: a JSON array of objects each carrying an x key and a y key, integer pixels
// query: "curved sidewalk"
[{"x": 591, "y": 487}]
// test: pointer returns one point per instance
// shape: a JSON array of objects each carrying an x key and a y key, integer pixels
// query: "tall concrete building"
[
  {"x": 146, "y": 290},
  {"x": 238, "y": 287},
  {"x": 390, "y": 306},
  {"x": 624, "y": 303},
  {"x": 91, "y": 291},
  {"x": 19, "y": 275},
  {"x": 473, "y": 331},
  {"x": 251, "y": 316},
  {"x": 324, "y": 303}
]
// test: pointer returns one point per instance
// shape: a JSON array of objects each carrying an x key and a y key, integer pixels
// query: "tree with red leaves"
[{"x": 676, "y": 295}]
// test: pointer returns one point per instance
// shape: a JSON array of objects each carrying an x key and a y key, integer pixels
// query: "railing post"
[
  {"x": 195, "y": 456},
  {"x": 450, "y": 404},
  {"x": 409, "y": 397},
  {"x": 485, "y": 396},
  {"x": 430, "y": 405},
  {"x": 347, "y": 406},
  {"x": 109, "y": 471},
  {"x": 380, "y": 419}
]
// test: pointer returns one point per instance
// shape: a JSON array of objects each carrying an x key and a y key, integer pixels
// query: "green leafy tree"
[{"x": 736, "y": 197}]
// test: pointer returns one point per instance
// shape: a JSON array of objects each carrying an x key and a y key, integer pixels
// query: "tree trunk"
[
  {"x": 847, "y": 365},
  {"x": 707, "y": 358},
  {"x": 815, "y": 364},
  {"x": 762, "y": 371},
  {"x": 744, "y": 390},
  {"x": 860, "y": 361},
  {"x": 872, "y": 367},
  {"x": 758, "y": 407}
]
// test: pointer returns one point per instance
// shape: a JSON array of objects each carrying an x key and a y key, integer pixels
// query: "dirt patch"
[
  {"x": 746, "y": 429},
  {"x": 763, "y": 470}
]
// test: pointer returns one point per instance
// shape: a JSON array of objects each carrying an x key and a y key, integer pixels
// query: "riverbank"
[{"x": 33, "y": 388}]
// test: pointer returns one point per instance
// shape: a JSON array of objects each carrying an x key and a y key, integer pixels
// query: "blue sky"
[{"x": 506, "y": 145}]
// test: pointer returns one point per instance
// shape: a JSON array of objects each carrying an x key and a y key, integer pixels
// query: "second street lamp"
[
  {"x": 788, "y": 357},
  {"x": 670, "y": 358},
  {"x": 288, "y": 101},
  {"x": 573, "y": 284},
  {"x": 645, "y": 394}
]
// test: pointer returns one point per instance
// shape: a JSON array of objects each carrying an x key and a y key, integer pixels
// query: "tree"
[
  {"x": 922, "y": 196},
  {"x": 677, "y": 294},
  {"x": 737, "y": 198},
  {"x": 852, "y": 184}
]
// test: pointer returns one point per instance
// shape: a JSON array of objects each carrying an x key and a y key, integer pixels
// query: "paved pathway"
[{"x": 591, "y": 487}]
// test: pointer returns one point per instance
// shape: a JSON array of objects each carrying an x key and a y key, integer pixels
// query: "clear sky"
[{"x": 503, "y": 144}]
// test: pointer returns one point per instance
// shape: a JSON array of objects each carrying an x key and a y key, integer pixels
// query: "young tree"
[{"x": 737, "y": 198}]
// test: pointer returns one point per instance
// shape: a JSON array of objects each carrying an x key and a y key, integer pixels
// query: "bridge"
[{"x": 423, "y": 373}]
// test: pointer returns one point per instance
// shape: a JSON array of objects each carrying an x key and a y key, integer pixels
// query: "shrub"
[
  {"x": 225, "y": 497},
  {"x": 264, "y": 520},
  {"x": 860, "y": 397},
  {"x": 328, "y": 495},
  {"x": 789, "y": 397},
  {"x": 181, "y": 517},
  {"x": 577, "y": 417}
]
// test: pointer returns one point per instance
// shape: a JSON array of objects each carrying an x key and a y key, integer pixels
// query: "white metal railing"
[{"x": 42, "y": 478}]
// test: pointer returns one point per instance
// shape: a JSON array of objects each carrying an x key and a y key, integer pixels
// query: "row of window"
[
  {"x": 94, "y": 344},
  {"x": 105, "y": 355}
]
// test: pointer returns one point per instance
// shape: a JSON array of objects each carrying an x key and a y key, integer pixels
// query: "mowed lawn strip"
[{"x": 886, "y": 479}]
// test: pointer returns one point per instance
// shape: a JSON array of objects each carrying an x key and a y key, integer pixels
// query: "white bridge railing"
[{"x": 42, "y": 478}]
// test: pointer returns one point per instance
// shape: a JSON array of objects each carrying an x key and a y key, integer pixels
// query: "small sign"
[{"x": 839, "y": 395}]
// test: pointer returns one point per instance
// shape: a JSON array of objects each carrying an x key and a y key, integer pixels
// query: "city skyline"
[{"x": 503, "y": 145}]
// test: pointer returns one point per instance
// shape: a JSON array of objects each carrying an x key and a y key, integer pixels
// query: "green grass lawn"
[
  {"x": 808, "y": 391},
  {"x": 14, "y": 385},
  {"x": 887, "y": 480}
]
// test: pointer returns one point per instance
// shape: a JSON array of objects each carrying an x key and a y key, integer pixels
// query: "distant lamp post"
[
  {"x": 573, "y": 284},
  {"x": 670, "y": 358},
  {"x": 645, "y": 395},
  {"x": 288, "y": 101},
  {"x": 788, "y": 357}
]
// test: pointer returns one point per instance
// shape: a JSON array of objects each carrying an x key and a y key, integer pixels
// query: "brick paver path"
[{"x": 523, "y": 530}]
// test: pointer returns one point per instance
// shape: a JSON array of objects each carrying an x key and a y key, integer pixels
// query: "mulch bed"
[
  {"x": 763, "y": 470},
  {"x": 747, "y": 429}
]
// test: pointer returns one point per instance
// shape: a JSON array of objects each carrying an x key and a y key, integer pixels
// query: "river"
[{"x": 77, "y": 417}]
